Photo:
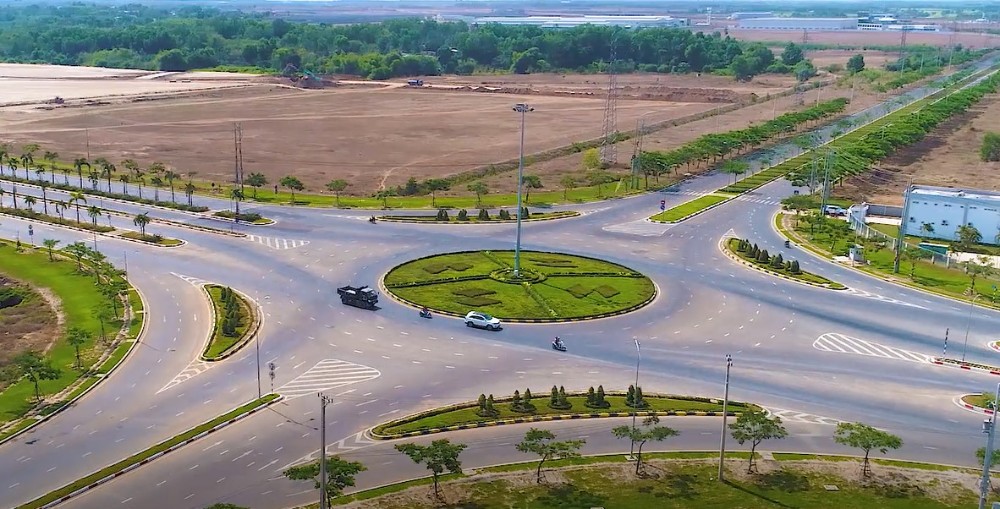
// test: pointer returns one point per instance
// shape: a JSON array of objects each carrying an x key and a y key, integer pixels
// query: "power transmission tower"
[
  {"x": 238, "y": 152},
  {"x": 805, "y": 36},
  {"x": 609, "y": 130},
  {"x": 640, "y": 128}
]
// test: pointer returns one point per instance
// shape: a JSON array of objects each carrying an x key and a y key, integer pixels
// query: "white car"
[{"x": 482, "y": 321}]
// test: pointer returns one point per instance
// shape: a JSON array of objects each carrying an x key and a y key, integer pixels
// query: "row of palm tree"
[{"x": 77, "y": 198}]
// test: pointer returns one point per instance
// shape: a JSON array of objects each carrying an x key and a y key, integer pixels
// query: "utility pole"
[
  {"x": 631, "y": 450},
  {"x": 989, "y": 426},
  {"x": 902, "y": 227},
  {"x": 640, "y": 128},
  {"x": 944, "y": 352},
  {"x": 725, "y": 404},
  {"x": 324, "y": 401},
  {"x": 523, "y": 109},
  {"x": 830, "y": 160},
  {"x": 238, "y": 154}
]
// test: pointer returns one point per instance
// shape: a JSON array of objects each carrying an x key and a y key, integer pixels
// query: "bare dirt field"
[
  {"x": 369, "y": 135},
  {"x": 827, "y": 57},
  {"x": 31, "y": 324},
  {"x": 949, "y": 157},
  {"x": 861, "y": 38}
]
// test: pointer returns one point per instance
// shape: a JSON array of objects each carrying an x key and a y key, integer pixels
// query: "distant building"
[
  {"x": 945, "y": 209},
  {"x": 745, "y": 15},
  {"x": 799, "y": 24},
  {"x": 575, "y": 21}
]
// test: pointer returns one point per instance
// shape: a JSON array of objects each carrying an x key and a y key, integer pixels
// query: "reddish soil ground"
[
  {"x": 369, "y": 134},
  {"x": 949, "y": 156},
  {"x": 823, "y": 58},
  {"x": 854, "y": 38}
]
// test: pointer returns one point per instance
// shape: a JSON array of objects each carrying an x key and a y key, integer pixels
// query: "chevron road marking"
[
  {"x": 196, "y": 367},
  {"x": 279, "y": 244},
  {"x": 190, "y": 279},
  {"x": 328, "y": 374},
  {"x": 351, "y": 443},
  {"x": 869, "y": 295},
  {"x": 795, "y": 416},
  {"x": 640, "y": 227},
  {"x": 839, "y": 343}
]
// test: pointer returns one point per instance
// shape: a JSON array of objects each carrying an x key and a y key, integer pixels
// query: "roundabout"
[{"x": 550, "y": 287}]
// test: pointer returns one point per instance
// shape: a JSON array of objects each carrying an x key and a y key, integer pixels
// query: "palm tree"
[
  {"x": 79, "y": 163},
  {"x": 45, "y": 202},
  {"x": 124, "y": 179},
  {"x": 59, "y": 206},
  {"x": 13, "y": 162},
  {"x": 40, "y": 174},
  {"x": 4, "y": 155},
  {"x": 156, "y": 169},
  {"x": 76, "y": 198},
  {"x": 94, "y": 212},
  {"x": 189, "y": 191},
  {"x": 2, "y": 192},
  {"x": 94, "y": 176},
  {"x": 13, "y": 196},
  {"x": 141, "y": 221},
  {"x": 28, "y": 157},
  {"x": 50, "y": 244},
  {"x": 51, "y": 157},
  {"x": 29, "y": 201},
  {"x": 236, "y": 195},
  {"x": 170, "y": 176},
  {"x": 157, "y": 183},
  {"x": 139, "y": 177}
]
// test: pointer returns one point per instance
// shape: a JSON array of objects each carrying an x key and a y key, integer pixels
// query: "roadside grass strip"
[
  {"x": 688, "y": 209},
  {"x": 732, "y": 249},
  {"x": 473, "y": 218},
  {"x": 221, "y": 345},
  {"x": 156, "y": 240},
  {"x": 465, "y": 414},
  {"x": 109, "y": 472}
]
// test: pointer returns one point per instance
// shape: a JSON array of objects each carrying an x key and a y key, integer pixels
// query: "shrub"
[
  {"x": 763, "y": 257},
  {"x": 463, "y": 215},
  {"x": 442, "y": 215},
  {"x": 484, "y": 215},
  {"x": 794, "y": 269},
  {"x": 504, "y": 214}
]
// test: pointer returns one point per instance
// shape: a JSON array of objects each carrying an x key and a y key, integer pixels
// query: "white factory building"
[
  {"x": 946, "y": 208},
  {"x": 799, "y": 24},
  {"x": 575, "y": 21}
]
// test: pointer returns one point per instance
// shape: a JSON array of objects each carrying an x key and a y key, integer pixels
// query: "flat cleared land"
[
  {"x": 861, "y": 38},
  {"x": 371, "y": 134},
  {"x": 949, "y": 156},
  {"x": 28, "y": 325}
]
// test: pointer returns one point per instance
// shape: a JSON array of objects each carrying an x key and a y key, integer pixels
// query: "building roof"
[
  {"x": 578, "y": 20},
  {"x": 954, "y": 192}
]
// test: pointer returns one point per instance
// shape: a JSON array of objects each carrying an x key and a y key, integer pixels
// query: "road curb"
[
  {"x": 968, "y": 366},
  {"x": 957, "y": 400},
  {"x": 726, "y": 251},
  {"x": 693, "y": 214},
  {"x": 210, "y": 214},
  {"x": 160, "y": 454},
  {"x": 258, "y": 320},
  {"x": 396, "y": 219}
]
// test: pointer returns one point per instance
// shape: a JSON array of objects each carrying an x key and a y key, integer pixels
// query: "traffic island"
[
  {"x": 749, "y": 254},
  {"x": 251, "y": 218},
  {"x": 482, "y": 217},
  {"x": 550, "y": 407},
  {"x": 968, "y": 366},
  {"x": 156, "y": 240},
  {"x": 980, "y": 403},
  {"x": 551, "y": 287},
  {"x": 235, "y": 322}
]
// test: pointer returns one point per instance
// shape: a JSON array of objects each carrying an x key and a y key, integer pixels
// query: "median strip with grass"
[
  {"x": 471, "y": 413},
  {"x": 160, "y": 448},
  {"x": 244, "y": 217},
  {"x": 688, "y": 209},
  {"x": 480, "y": 218},
  {"x": 156, "y": 240},
  {"x": 45, "y": 218},
  {"x": 234, "y": 322},
  {"x": 774, "y": 264}
]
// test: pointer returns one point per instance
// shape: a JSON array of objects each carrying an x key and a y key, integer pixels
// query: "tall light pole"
[
  {"x": 968, "y": 324},
  {"x": 324, "y": 401},
  {"x": 256, "y": 342},
  {"x": 638, "y": 356},
  {"x": 725, "y": 408},
  {"x": 989, "y": 426},
  {"x": 523, "y": 109}
]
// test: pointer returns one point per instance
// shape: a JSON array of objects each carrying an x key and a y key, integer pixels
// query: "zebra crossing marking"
[
  {"x": 795, "y": 416},
  {"x": 839, "y": 343},
  {"x": 642, "y": 227},
  {"x": 354, "y": 442},
  {"x": 875, "y": 296},
  {"x": 328, "y": 374},
  {"x": 195, "y": 368},
  {"x": 275, "y": 243}
]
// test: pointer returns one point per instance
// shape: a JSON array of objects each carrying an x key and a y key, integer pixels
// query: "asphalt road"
[{"x": 786, "y": 340}]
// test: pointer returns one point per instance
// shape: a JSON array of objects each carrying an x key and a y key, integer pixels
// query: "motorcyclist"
[
  {"x": 425, "y": 312},
  {"x": 558, "y": 342},
  {"x": 788, "y": 243}
]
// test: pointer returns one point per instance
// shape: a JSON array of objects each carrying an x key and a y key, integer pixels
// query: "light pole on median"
[
  {"x": 725, "y": 405},
  {"x": 989, "y": 427},
  {"x": 256, "y": 341},
  {"x": 523, "y": 109},
  {"x": 324, "y": 401},
  {"x": 968, "y": 324},
  {"x": 638, "y": 356}
]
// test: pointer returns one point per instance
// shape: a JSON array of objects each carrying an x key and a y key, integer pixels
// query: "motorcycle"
[
  {"x": 558, "y": 345},
  {"x": 788, "y": 244},
  {"x": 372, "y": 220},
  {"x": 425, "y": 314}
]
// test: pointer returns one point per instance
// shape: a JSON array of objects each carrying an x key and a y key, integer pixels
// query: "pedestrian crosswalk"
[
  {"x": 196, "y": 367},
  {"x": 795, "y": 416},
  {"x": 642, "y": 227},
  {"x": 280, "y": 244},
  {"x": 839, "y": 343},
  {"x": 328, "y": 374},
  {"x": 869, "y": 295}
]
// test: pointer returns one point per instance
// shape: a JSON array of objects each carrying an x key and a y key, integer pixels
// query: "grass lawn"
[
  {"x": 685, "y": 484},
  {"x": 151, "y": 239},
  {"x": 78, "y": 295},
  {"x": 686, "y": 209},
  {"x": 221, "y": 342},
  {"x": 802, "y": 275},
  {"x": 468, "y": 415},
  {"x": 474, "y": 217},
  {"x": 137, "y": 457},
  {"x": 979, "y": 400},
  {"x": 569, "y": 287}
]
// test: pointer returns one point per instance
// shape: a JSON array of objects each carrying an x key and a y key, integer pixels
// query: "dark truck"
[{"x": 358, "y": 296}]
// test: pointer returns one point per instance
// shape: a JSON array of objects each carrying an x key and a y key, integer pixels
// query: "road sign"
[{"x": 663, "y": 204}]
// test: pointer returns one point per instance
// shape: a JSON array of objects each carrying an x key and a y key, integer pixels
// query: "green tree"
[
  {"x": 29, "y": 201},
  {"x": 864, "y": 437},
  {"x": 76, "y": 198},
  {"x": 337, "y": 186},
  {"x": 530, "y": 182},
  {"x": 77, "y": 337},
  {"x": 435, "y": 185},
  {"x": 480, "y": 189},
  {"x": 591, "y": 159},
  {"x": 141, "y": 220},
  {"x": 256, "y": 181},
  {"x": 792, "y": 54},
  {"x": 384, "y": 195},
  {"x": 78, "y": 165},
  {"x": 981, "y": 456},
  {"x": 292, "y": 184},
  {"x": 735, "y": 168},
  {"x": 913, "y": 255},
  {"x": 170, "y": 176},
  {"x": 94, "y": 212},
  {"x": 990, "y": 150},
  {"x": 567, "y": 182},
  {"x": 31, "y": 365},
  {"x": 978, "y": 268},
  {"x": 439, "y": 456},
  {"x": 189, "y": 189},
  {"x": 544, "y": 444},
  {"x": 339, "y": 475},
  {"x": 755, "y": 427},
  {"x": 650, "y": 430},
  {"x": 856, "y": 63},
  {"x": 598, "y": 178},
  {"x": 50, "y": 244},
  {"x": 968, "y": 236}
]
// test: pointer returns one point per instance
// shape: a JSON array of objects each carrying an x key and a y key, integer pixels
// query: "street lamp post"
[
  {"x": 324, "y": 401},
  {"x": 968, "y": 324},
  {"x": 523, "y": 109},
  {"x": 725, "y": 405},
  {"x": 256, "y": 342},
  {"x": 638, "y": 356},
  {"x": 989, "y": 427}
]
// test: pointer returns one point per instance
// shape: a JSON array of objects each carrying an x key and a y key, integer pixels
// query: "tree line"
[{"x": 184, "y": 38}]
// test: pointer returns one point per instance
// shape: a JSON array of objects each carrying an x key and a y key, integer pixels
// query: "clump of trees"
[
  {"x": 752, "y": 252},
  {"x": 990, "y": 151},
  {"x": 232, "y": 312}
]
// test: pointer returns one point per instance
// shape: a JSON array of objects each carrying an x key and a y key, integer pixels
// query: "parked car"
[
  {"x": 834, "y": 210},
  {"x": 482, "y": 321}
]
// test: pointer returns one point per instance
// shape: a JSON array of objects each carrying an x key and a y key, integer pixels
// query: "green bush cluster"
[
  {"x": 463, "y": 215},
  {"x": 634, "y": 399},
  {"x": 232, "y": 315},
  {"x": 486, "y": 407},
  {"x": 595, "y": 399},
  {"x": 442, "y": 215},
  {"x": 753, "y": 252},
  {"x": 557, "y": 399},
  {"x": 504, "y": 215},
  {"x": 522, "y": 404},
  {"x": 247, "y": 217}
]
